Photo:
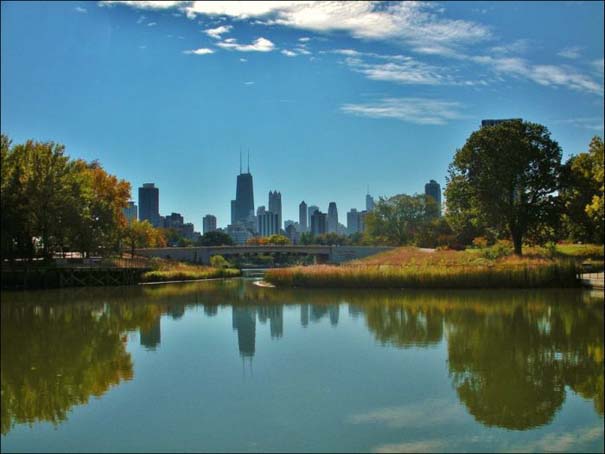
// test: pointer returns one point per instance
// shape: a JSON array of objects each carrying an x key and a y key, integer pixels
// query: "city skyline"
[{"x": 364, "y": 104}]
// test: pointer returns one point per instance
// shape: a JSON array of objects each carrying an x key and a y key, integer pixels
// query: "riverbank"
[
  {"x": 410, "y": 267},
  {"x": 108, "y": 272}
]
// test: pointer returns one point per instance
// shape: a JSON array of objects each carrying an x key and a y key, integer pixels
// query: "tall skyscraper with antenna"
[{"x": 243, "y": 205}]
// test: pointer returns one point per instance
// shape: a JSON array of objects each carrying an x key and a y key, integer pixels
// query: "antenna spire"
[
  {"x": 248, "y": 160},
  {"x": 240, "y": 159}
]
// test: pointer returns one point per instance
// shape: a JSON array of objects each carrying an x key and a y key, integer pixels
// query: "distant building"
[
  {"x": 293, "y": 234},
  {"x": 369, "y": 203},
  {"x": 312, "y": 209},
  {"x": 174, "y": 221},
  {"x": 318, "y": 223},
  {"x": 332, "y": 218},
  {"x": 275, "y": 206},
  {"x": 209, "y": 222},
  {"x": 149, "y": 204},
  {"x": 353, "y": 221},
  {"x": 433, "y": 189},
  {"x": 485, "y": 123},
  {"x": 261, "y": 210},
  {"x": 131, "y": 212},
  {"x": 302, "y": 216},
  {"x": 242, "y": 208},
  {"x": 238, "y": 233},
  {"x": 362, "y": 221},
  {"x": 268, "y": 224}
]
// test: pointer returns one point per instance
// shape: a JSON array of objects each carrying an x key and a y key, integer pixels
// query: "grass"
[
  {"x": 409, "y": 267},
  {"x": 170, "y": 270}
]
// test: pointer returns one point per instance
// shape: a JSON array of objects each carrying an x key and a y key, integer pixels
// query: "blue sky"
[{"x": 328, "y": 97}]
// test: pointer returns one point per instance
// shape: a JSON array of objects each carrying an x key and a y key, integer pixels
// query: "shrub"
[
  {"x": 480, "y": 242},
  {"x": 218, "y": 261},
  {"x": 502, "y": 248}
]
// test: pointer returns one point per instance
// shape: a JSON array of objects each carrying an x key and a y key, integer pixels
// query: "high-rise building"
[
  {"x": 174, "y": 221},
  {"x": 369, "y": 202},
  {"x": 131, "y": 212},
  {"x": 238, "y": 233},
  {"x": 433, "y": 190},
  {"x": 312, "y": 209},
  {"x": 242, "y": 208},
  {"x": 362, "y": 221},
  {"x": 318, "y": 223},
  {"x": 302, "y": 216},
  {"x": 261, "y": 210},
  {"x": 292, "y": 233},
  {"x": 353, "y": 220},
  {"x": 485, "y": 123},
  {"x": 268, "y": 223},
  {"x": 275, "y": 206},
  {"x": 209, "y": 222},
  {"x": 149, "y": 204},
  {"x": 332, "y": 218}
]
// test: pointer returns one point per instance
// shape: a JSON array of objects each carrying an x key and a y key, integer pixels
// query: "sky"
[{"x": 329, "y": 98}]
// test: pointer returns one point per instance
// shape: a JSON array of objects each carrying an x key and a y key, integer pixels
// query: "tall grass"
[
  {"x": 554, "y": 274},
  {"x": 189, "y": 274}
]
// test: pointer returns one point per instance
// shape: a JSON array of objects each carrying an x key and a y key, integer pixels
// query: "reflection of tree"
[
  {"x": 511, "y": 369},
  {"x": 405, "y": 325}
]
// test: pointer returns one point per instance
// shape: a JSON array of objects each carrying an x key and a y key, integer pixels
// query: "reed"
[{"x": 501, "y": 275}]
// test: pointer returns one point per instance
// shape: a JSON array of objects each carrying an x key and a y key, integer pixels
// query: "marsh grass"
[
  {"x": 416, "y": 268},
  {"x": 169, "y": 270}
]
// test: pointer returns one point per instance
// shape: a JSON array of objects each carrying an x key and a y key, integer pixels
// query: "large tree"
[
  {"x": 398, "y": 219},
  {"x": 506, "y": 177}
]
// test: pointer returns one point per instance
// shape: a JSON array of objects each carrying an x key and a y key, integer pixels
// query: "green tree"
[
  {"x": 215, "y": 238},
  {"x": 397, "y": 220},
  {"x": 506, "y": 177},
  {"x": 218, "y": 261},
  {"x": 278, "y": 239},
  {"x": 140, "y": 234},
  {"x": 596, "y": 208}
]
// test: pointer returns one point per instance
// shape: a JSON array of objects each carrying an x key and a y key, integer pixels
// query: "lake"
[{"x": 229, "y": 366}]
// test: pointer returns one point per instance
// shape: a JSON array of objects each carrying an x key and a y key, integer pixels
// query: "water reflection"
[{"x": 510, "y": 354}]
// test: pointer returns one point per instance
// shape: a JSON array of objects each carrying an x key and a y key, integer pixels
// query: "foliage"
[
  {"x": 398, "y": 219},
  {"x": 273, "y": 239},
  {"x": 141, "y": 234},
  {"x": 505, "y": 177},
  {"x": 51, "y": 203},
  {"x": 215, "y": 238},
  {"x": 480, "y": 242},
  {"x": 502, "y": 248},
  {"x": 218, "y": 261}
]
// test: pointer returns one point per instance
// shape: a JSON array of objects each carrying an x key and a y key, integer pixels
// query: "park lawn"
[{"x": 410, "y": 267}]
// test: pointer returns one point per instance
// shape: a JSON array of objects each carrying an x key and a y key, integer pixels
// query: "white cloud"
[
  {"x": 152, "y": 24},
  {"x": 419, "y": 24},
  {"x": 413, "y": 446},
  {"x": 243, "y": 60},
  {"x": 570, "y": 52},
  {"x": 259, "y": 45},
  {"x": 289, "y": 53},
  {"x": 547, "y": 75},
  {"x": 592, "y": 123},
  {"x": 304, "y": 39},
  {"x": 249, "y": 83},
  {"x": 421, "y": 111},
  {"x": 405, "y": 70},
  {"x": 79, "y": 9},
  {"x": 200, "y": 51},
  {"x": 218, "y": 31},
  {"x": 141, "y": 19},
  {"x": 518, "y": 46},
  {"x": 151, "y": 5}
]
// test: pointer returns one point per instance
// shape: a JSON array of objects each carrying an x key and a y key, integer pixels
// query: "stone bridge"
[{"x": 323, "y": 254}]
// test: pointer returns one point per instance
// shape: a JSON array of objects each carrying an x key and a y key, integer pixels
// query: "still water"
[{"x": 229, "y": 366}]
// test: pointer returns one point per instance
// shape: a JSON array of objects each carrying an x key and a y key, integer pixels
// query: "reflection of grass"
[{"x": 413, "y": 268}]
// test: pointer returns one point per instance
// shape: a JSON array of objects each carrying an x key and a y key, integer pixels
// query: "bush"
[
  {"x": 218, "y": 261},
  {"x": 502, "y": 248},
  {"x": 480, "y": 242}
]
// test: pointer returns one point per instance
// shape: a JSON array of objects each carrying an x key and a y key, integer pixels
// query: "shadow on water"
[{"x": 510, "y": 353}]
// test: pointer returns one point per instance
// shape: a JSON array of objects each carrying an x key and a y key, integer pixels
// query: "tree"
[
  {"x": 140, "y": 234},
  {"x": 596, "y": 208},
  {"x": 506, "y": 177},
  {"x": 215, "y": 238},
  {"x": 278, "y": 240},
  {"x": 397, "y": 220}
]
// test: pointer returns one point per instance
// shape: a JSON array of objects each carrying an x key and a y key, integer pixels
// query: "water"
[{"x": 228, "y": 366}]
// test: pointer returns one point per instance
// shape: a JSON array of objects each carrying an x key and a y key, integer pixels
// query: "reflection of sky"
[{"x": 320, "y": 387}]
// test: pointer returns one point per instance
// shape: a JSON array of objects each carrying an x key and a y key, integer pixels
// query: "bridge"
[{"x": 322, "y": 254}]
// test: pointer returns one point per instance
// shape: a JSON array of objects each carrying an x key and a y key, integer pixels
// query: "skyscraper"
[
  {"x": 353, "y": 221},
  {"x": 332, "y": 218},
  {"x": 242, "y": 207},
  {"x": 369, "y": 202},
  {"x": 149, "y": 204},
  {"x": 275, "y": 206},
  {"x": 433, "y": 189},
  {"x": 312, "y": 209},
  {"x": 209, "y": 222},
  {"x": 302, "y": 216},
  {"x": 268, "y": 223},
  {"x": 318, "y": 223},
  {"x": 131, "y": 212}
]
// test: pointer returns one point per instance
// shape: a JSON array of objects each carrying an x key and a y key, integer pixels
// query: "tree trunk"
[{"x": 517, "y": 242}]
